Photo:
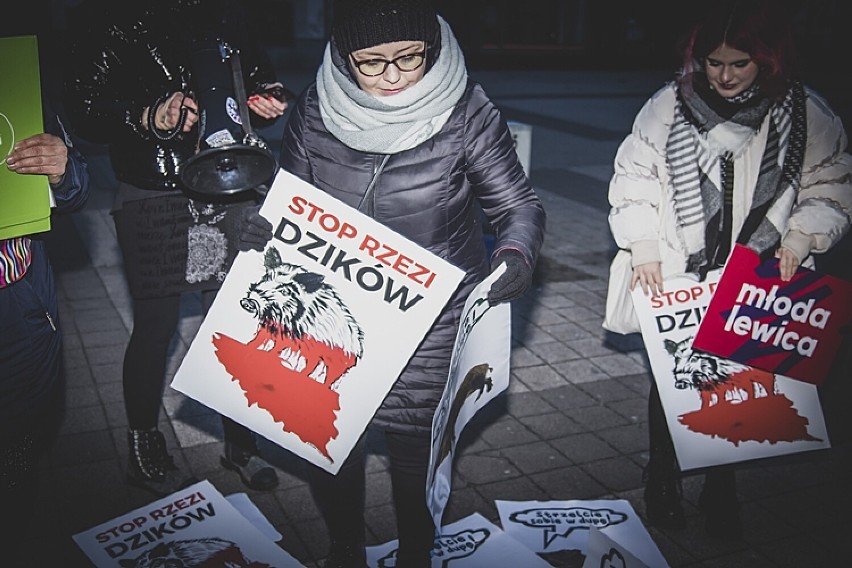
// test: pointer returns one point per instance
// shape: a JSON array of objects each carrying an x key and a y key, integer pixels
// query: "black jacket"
[
  {"x": 432, "y": 195},
  {"x": 139, "y": 56}
]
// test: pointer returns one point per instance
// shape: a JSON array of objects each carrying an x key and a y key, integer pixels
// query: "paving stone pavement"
[{"x": 572, "y": 425}]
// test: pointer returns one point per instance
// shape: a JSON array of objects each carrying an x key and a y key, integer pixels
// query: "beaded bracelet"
[{"x": 152, "y": 127}]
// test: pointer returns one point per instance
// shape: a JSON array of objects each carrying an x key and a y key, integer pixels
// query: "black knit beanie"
[{"x": 365, "y": 23}]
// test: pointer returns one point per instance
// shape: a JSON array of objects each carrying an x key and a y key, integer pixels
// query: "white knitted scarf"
[{"x": 392, "y": 124}]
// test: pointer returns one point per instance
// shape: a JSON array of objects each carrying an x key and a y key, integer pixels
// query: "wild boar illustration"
[
  {"x": 738, "y": 403},
  {"x": 196, "y": 553},
  {"x": 712, "y": 376},
  {"x": 305, "y": 341},
  {"x": 303, "y": 317}
]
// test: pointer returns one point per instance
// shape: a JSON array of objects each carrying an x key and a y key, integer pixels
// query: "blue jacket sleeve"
[{"x": 73, "y": 191}]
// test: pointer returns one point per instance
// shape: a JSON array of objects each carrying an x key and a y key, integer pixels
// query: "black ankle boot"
[
  {"x": 418, "y": 560},
  {"x": 343, "y": 554},
  {"x": 718, "y": 501},
  {"x": 662, "y": 476},
  {"x": 151, "y": 467},
  {"x": 254, "y": 471},
  {"x": 662, "y": 502},
  {"x": 415, "y": 527}
]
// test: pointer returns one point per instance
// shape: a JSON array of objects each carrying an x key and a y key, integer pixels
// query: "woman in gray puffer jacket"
[{"x": 394, "y": 127}]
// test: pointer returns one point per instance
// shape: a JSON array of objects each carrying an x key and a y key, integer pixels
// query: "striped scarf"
[
  {"x": 15, "y": 258},
  {"x": 725, "y": 126}
]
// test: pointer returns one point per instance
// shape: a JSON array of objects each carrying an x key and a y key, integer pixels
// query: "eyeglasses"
[{"x": 376, "y": 67}]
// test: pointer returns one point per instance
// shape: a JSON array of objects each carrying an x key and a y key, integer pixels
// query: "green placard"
[{"x": 24, "y": 199}]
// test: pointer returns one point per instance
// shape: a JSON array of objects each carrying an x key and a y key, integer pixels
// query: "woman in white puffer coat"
[{"x": 735, "y": 150}]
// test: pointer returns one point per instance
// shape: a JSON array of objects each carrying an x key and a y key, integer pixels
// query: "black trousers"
[
  {"x": 154, "y": 323},
  {"x": 341, "y": 497},
  {"x": 31, "y": 392},
  {"x": 719, "y": 481}
]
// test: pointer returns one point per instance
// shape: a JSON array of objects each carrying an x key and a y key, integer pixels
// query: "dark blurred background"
[
  {"x": 499, "y": 35},
  {"x": 513, "y": 34}
]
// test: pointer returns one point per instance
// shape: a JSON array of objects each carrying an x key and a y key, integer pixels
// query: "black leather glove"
[
  {"x": 254, "y": 231},
  {"x": 515, "y": 280}
]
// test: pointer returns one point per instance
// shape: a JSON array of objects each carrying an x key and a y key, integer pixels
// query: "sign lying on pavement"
[
  {"x": 604, "y": 552},
  {"x": 196, "y": 526},
  {"x": 472, "y": 542},
  {"x": 550, "y": 528}
]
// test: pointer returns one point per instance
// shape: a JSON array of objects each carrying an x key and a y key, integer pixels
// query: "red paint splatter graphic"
[
  {"x": 303, "y": 405},
  {"x": 306, "y": 340},
  {"x": 747, "y": 407}
]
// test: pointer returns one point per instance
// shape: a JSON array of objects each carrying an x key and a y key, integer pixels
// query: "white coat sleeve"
[
  {"x": 823, "y": 210},
  {"x": 637, "y": 187}
]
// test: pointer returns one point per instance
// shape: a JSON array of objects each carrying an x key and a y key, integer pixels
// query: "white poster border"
[{"x": 375, "y": 283}]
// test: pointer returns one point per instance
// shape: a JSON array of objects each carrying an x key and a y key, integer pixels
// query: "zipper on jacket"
[
  {"x": 50, "y": 321},
  {"x": 367, "y": 203}
]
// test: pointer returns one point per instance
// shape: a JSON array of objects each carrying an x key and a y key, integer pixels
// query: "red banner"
[{"x": 789, "y": 328}]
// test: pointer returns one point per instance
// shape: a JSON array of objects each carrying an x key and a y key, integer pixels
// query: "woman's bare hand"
[
  {"x": 649, "y": 276},
  {"x": 788, "y": 263},
  {"x": 40, "y": 154}
]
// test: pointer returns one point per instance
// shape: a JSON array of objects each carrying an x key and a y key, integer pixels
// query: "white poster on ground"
[
  {"x": 196, "y": 526},
  {"x": 554, "y": 528},
  {"x": 719, "y": 411},
  {"x": 604, "y": 552},
  {"x": 479, "y": 371},
  {"x": 305, "y": 339},
  {"x": 472, "y": 542}
]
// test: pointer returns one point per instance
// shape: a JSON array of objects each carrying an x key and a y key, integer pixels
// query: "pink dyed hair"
[{"x": 757, "y": 27}]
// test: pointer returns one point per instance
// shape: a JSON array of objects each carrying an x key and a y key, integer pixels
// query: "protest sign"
[
  {"x": 789, "y": 328},
  {"x": 472, "y": 542},
  {"x": 604, "y": 552},
  {"x": 720, "y": 411},
  {"x": 25, "y": 199},
  {"x": 305, "y": 339},
  {"x": 479, "y": 371},
  {"x": 196, "y": 526},
  {"x": 550, "y": 528}
]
